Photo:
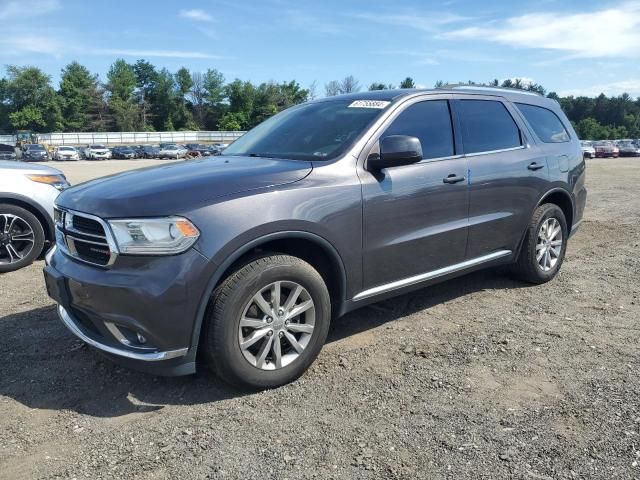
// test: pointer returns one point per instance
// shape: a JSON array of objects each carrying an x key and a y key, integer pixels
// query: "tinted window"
[
  {"x": 545, "y": 123},
  {"x": 487, "y": 126},
  {"x": 312, "y": 131},
  {"x": 430, "y": 122}
]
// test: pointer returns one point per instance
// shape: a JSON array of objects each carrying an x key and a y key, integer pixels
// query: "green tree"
[
  {"x": 232, "y": 121},
  {"x": 380, "y": 86},
  {"x": 121, "y": 84},
  {"x": 31, "y": 101},
  {"x": 78, "y": 91},
  {"x": 146, "y": 76},
  {"x": 407, "y": 83}
]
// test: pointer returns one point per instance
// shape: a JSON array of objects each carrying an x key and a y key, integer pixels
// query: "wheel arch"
[
  {"x": 558, "y": 196},
  {"x": 309, "y": 246},
  {"x": 564, "y": 200}
]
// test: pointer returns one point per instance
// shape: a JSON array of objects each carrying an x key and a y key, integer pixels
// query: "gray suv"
[{"x": 243, "y": 260}]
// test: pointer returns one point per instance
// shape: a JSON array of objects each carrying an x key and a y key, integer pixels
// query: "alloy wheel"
[
  {"x": 16, "y": 238},
  {"x": 549, "y": 244},
  {"x": 276, "y": 325}
]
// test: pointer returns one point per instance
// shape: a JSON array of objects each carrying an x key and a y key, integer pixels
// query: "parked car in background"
[
  {"x": 220, "y": 146},
  {"x": 606, "y": 149},
  {"x": 148, "y": 151},
  {"x": 629, "y": 149},
  {"x": 587, "y": 149},
  {"x": 204, "y": 150},
  {"x": 27, "y": 195},
  {"x": 7, "y": 152},
  {"x": 65, "y": 153},
  {"x": 138, "y": 150},
  {"x": 172, "y": 151},
  {"x": 123, "y": 152},
  {"x": 34, "y": 152},
  {"x": 321, "y": 209},
  {"x": 97, "y": 152}
]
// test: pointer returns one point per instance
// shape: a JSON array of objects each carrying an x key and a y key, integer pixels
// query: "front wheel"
[
  {"x": 544, "y": 246},
  {"x": 21, "y": 238},
  {"x": 267, "y": 322}
]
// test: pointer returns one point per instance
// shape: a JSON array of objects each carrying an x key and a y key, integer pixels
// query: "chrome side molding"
[{"x": 423, "y": 277}]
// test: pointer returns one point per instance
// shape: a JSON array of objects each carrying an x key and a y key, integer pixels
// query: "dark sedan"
[
  {"x": 204, "y": 150},
  {"x": 35, "y": 153},
  {"x": 123, "y": 153}
]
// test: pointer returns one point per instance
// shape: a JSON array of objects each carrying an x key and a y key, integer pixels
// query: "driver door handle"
[
  {"x": 535, "y": 166},
  {"x": 453, "y": 178}
]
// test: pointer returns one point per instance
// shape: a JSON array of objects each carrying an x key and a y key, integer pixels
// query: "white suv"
[
  {"x": 27, "y": 193},
  {"x": 97, "y": 152}
]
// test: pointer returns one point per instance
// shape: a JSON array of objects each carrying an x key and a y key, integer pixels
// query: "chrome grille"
[{"x": 85, "y": 237}]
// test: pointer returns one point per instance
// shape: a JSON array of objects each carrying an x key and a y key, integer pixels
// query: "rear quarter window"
[{"x": 548, "y": 127}]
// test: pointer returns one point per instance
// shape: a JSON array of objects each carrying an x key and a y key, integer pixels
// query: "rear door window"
[
  {"x": 545, "y": 123},
  {"x": 430, "y": 122},
  {"x": 487, "y": 126}
]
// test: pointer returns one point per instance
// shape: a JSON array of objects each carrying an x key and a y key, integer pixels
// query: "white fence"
[{"x": 118, "y": 138}]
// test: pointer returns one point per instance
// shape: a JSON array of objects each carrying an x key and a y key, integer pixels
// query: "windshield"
[
  {"x": 35, "y": 147},
  {"x": 313, "y": 131},
  {"x": 66, "y": 149},
  {"x": 98, "y": 146}
]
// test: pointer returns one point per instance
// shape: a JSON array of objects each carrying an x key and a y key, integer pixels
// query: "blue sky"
[{"x": 569, "y": 46}]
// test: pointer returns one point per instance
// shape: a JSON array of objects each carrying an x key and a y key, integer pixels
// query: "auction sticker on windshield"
[{"x": 369, "y": 104}]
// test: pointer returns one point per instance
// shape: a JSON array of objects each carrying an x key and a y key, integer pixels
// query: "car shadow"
[{"x": 46, "y": 367}]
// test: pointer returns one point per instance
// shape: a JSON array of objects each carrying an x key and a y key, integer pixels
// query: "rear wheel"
[
  {"x": 21, "y": 238},
  {"x": 544, "y": 246},
  {"x": 267, "y": 322}
]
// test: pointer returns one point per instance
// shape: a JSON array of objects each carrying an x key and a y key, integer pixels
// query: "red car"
[{"x": 606, "y": 149}]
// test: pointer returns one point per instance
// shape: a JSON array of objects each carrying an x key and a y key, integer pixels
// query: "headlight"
[
  {"x": 154, "y": 236},
  {"x": 57, "y": 181}
]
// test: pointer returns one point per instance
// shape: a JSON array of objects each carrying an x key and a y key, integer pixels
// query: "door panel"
[
  {"x": 505, "y": 184},
  {"x": 415, "y": 222}
]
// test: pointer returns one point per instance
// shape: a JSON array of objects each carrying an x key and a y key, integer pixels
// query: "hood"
[
  {"x": 179, "y": 187},
  {"x": 27, "y": 168}
]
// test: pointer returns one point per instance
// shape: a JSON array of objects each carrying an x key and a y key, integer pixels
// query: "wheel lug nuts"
[
  {"x": 281, "y": 334},
  {"x": 280, "y": 311},
  {"x": 286, "y": 323},
  {"x": 269, "y": 319},
  {"x": 269, "y": 333}
]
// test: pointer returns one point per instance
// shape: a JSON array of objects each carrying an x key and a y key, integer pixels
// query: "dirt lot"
[{"x": 480, "y": 377}]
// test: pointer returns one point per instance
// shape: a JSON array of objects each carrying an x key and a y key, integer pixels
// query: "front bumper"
[
  {"x": 153, "y": 356},
  {"x": 155, "y": 297}
]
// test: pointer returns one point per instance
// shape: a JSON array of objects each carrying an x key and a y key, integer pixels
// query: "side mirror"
[{"x": 395, "y": 150}]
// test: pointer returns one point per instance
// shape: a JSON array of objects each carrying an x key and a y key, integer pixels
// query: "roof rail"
[{"x": 464, "y": 86}]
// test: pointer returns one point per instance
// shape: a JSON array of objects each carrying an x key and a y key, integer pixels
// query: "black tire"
[
  {"x": 527, "y": 267},
  {"x": 38, "y": 238},
  {"x": 221, "y": 335}
]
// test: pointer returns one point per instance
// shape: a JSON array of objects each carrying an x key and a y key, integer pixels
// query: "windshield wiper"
[{"x": 259, "y": 155}]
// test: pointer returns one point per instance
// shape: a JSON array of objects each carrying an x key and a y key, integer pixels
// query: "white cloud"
[
  {"x": 632, "y": 87},
  {"x": 610, "y": 32},
  {"x": 27, "y": 8},
  {"x": 426, "y": 23},
  {"x": 154, "y": 53},
  {"x": 31, "y": 43},
  {"x": 196, "y": 15}
]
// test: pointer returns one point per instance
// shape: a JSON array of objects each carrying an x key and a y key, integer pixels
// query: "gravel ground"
[{"x": 479, "y": 377}]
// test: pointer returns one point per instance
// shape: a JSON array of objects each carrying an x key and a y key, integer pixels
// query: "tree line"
[{"x": 142, "y": 97}]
